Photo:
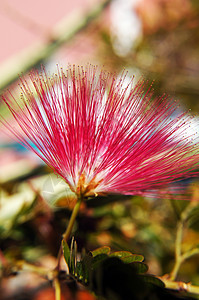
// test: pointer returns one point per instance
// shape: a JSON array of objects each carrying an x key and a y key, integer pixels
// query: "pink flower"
[{"x": 102, "y": 135}]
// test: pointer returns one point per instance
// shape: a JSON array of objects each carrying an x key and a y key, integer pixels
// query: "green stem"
[
  {"x": 57, "y": 289},
  {"x": 178, "y": 285},
  {"x": 178, "y": 251},
  {"x": 190, "y": 253},
  {"x": 179, "y": 256},
  {"x": 69, "y": 228}
]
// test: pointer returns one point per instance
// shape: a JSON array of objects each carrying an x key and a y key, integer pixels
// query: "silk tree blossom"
[{"x": 101, "y": 135}]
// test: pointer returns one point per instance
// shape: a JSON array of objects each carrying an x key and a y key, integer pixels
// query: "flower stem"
[{"x": 69, "y": 228}]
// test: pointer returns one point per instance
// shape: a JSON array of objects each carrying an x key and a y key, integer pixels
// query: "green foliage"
[
  {"x": 127, "y": 257},
  {"x": 93, "y": 267},
  {"x": 101, "y": 250},
  {"x": 66, "y": 253}
]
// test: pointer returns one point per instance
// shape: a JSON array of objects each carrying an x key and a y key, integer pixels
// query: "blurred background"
[{"x": 156, "y": 39}]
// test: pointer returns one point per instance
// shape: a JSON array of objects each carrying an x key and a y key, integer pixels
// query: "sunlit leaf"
[
  {"x": 66, "y": 252},
  {"x": 101, "y": 250},
  {"x": 127, "y": 257}
]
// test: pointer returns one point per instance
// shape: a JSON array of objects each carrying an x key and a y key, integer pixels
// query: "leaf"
[
  {"x": 86, "y": 268},
  {"x": 140, "y": 267},
  {"x": 113, "y": 279},
  {"x": 150, "y": 279},
  {"x": 73, "y": 256},
  {"x": 127, "y": 257},
  {"x": 80, "y": 271},
  {"x": 98, "y": 259},
  {"x": 101, "y": 250},
  {"x": 66, "y": 252}
]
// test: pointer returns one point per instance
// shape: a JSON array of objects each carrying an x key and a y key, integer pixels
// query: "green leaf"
[
  {"x": 80, "y": 271},
  {"x": 66, "y": 252},
  {"x": 127, "y": 257},
  {"x": 101, "y": 250},
  {"x": 86, "y": 267},
  {"x": 140, "y": 267},
  {"x": 98, "y": 259},
  {"x": 150, "y": 279},
  {"x": 73, "y": 256}
]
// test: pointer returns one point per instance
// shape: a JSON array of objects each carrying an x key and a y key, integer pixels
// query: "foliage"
[{"x": 119, "y": 222}]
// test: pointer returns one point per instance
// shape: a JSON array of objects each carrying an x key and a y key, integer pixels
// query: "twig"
[
  {"x": 57, "y": 289},
  {"x": 179, "y": 256},
  {"x": 179, "y": 285},
  {"x": 69, "y": 228},
  {"x": 178, "y": 251}
]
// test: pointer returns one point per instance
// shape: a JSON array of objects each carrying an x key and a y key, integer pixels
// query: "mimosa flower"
[{"x": 102, "y": 135}]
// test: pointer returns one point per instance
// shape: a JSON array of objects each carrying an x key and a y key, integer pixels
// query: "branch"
[
  {"x": 179, "y": 256},
  {"x": 180, "y": 286}
]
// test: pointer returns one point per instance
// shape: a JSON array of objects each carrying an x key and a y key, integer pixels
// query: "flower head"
[{"x": 102, "y": 135}]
